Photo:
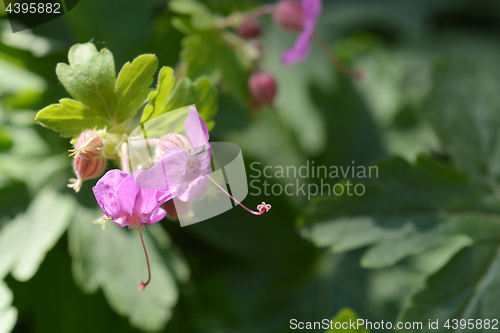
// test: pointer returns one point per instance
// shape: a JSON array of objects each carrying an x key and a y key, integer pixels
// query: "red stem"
[{"x": 144, "y": 284}]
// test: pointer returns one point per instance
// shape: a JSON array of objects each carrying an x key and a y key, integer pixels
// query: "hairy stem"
[{"x": 124, "y": 159}]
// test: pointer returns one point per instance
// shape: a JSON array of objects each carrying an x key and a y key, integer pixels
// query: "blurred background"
[{"x": 415, "y": 247}]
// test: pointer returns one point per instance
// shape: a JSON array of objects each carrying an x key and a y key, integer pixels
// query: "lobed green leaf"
[
  {"x": 132, "y": 85},
  {"x": 70, "y": 117},
  {"x": 113, "y": 260},
  {"x": 100, "y": 98},
  {"x": 158, "y": 98},
  {"x": 90, "y": 78},
  {"x": 400, "y": 214}
]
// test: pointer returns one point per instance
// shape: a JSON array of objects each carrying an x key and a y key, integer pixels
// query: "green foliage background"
[{"x": 422, "y": 243}]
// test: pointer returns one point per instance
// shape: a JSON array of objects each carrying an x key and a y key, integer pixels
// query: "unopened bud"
[
  {"x": 89, "y": 144},
  {"x": 250, "y": 29},
  {"x": 86, "y": 168},
  {"x": 172, "y": 140},
  {"x": 262, "y": 87},
  {"x": 289, "y": 15}
]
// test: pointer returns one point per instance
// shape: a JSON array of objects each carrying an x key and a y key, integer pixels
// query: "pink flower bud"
[
  {"x": 86, "y": 168},
  {"x": 172, "y": 140},
  {"x": 289, "y": 15},
  {"x": 249, "y": 29},
  {"x": 89, "y": 143},
  {"x": 262, "y": 88}
]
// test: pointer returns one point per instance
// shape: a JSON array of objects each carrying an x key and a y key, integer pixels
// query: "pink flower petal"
[
  {"x": 312, "y": 8},
  {"x": 166, "y": 173},
  {"x": 105, "y": 192},
  {"x": 157, "y": 215},
  {"x": 127, "y": 194},
  {"x": 191, "y": 189},
  {"x": 196, "y": 129},
  {"x": 300, "y": 51}
]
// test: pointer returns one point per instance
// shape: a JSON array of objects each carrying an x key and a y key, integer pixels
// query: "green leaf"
[
  {"x": 464, "y": 110},
  {"x": 113, "y": 260},
  {"x": 70, "y": 117},
  {"x": 8, "y": 314},
  {"x": 183, "y": 24},
  {"x": 398, "y": 213},
  {"x": 100, "y": 99},
  {"x": 476, "y": 228},
  {"x": 25, "y": 240},
  {"x": 348, "y": 316},
  {"x": 5, "y": 140},
  {"x": 90, "y": 78},
  {"x": 132, "y": 85},
  {"x": 225, "y": 56},
  {"x": 158, "y": 98},
  {"x": 201, "y": 17},
  {"x": 200, "y": 93},
  {"x": 465, "y": 288}
]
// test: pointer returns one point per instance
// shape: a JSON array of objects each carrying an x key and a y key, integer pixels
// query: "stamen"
[
  {"x": 262, "y": 208},
  {"x": 142, "y": 285}
]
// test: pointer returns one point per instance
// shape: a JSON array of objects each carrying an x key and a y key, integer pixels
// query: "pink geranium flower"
[
  {"x": 127, "y": 204},
  {"x": 184, "y": 167},
  {"x": 300, "y": 51},
  {"x": 184, "y": 161}
]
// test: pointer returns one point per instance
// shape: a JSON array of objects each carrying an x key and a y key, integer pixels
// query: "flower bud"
[
  {"x": 289, "y": 15},
  {"x": 86, "y": 168},
  {"x": 262, "y": 87},
  {"x": 89, "y": 143},
  {"x": 250, "y": 29},
  {"x": 172, "y": 140}
]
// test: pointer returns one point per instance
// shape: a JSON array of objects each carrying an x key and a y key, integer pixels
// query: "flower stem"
[
  {"x": 142, "y": 285},
  {"x": 259, "y": 11},
  {"x": 332, "y": 57},
  {"x": 145, "y": 143},
  {"x": 239, "y": 18},
  {"x": 125, "y": 163},
  {"x": 261, "y": 208}
]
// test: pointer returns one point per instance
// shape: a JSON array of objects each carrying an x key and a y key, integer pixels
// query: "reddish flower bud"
[
  {"x": 172, "y": 140},
  {"x": 89, "y": 143},
  {"x": 86, "y": 168},
  {"x": 262, "y": 88},
  {"x": 249, "y": 29},
  {"x": 289, "y": 15}
]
